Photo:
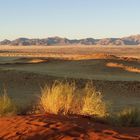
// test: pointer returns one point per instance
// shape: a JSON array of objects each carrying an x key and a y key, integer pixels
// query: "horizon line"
[{"x": 69, "y": 37}]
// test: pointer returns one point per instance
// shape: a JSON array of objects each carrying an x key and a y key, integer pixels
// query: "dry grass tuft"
[
  {"x": 7, "y": 106},
  {"x": 66, "y": 98},
  {"x": 129, "y": 117},
  {"x": 93, "y": 103},
  {"x": 58, "y": 98}
]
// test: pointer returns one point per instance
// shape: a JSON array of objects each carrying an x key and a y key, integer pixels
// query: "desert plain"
[{"x": 113, "y": 70}]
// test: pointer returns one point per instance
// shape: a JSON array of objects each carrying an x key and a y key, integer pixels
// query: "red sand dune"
[{"x": 50, "y": 127}]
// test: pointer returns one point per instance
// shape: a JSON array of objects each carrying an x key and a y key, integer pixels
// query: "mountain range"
[{"x": 130, "y": 40}]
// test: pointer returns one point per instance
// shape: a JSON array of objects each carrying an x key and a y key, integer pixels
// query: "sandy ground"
[
  {"x": 50, "y": 127},
  {"x": 100, "y": 67},
  {"x": 113, "y": 71}
]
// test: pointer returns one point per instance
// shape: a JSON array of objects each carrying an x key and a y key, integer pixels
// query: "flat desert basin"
[{"x": 114, "y": 71}]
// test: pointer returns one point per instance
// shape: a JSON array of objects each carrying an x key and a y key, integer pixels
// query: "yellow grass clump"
[
  {"x": 58, "y": 98},
  {"x": 93, "y": 103},
  {"x": 66, "y": 98}
]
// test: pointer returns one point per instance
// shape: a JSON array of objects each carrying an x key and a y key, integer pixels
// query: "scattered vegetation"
[{"x": 66, "y": 98}]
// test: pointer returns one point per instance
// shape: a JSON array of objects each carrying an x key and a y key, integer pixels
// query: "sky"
[{"x": 69, "y": 18}]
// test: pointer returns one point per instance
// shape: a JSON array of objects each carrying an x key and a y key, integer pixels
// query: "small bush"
[
  {"x": 66, "y": 98},
  {"x": 7, "y": 107},
  {"x": 129, "y": 117}
]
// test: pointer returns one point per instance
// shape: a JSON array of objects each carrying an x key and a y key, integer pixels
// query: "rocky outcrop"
[{"x": 5, "y": 42}]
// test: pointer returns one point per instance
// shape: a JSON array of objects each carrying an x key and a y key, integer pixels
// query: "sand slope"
[{"x": 50, "y": 127}]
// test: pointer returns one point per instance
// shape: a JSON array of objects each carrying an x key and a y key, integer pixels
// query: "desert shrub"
[
  {"x": 58, "y": 98},
  {"x": 129, "y": 117},
  {"x": 93, "y": 103},
  {"x": 7, "y": 106},
  {"x": 66, "y": 98}
]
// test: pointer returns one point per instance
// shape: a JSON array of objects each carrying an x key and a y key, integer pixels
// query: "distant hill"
[{"x": 131, "y": 40}]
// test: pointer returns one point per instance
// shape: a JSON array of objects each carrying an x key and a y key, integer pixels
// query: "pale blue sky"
[{"x": 69, "y": 18}]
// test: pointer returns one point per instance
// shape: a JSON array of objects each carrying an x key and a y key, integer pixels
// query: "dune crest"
[{"x": 124, "y": 67}]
